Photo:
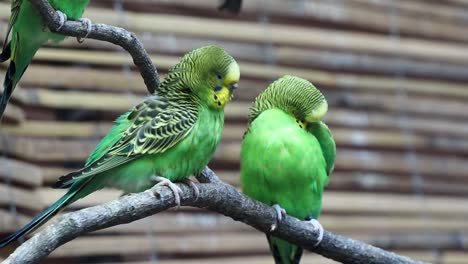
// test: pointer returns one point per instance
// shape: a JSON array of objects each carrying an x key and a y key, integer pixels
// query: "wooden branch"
[
  {"x": 103, "y": 32},
  {"x": 218, "y": 197},
  {"x": 364, "y": 181},
  {"x": 337, "y": 203}
]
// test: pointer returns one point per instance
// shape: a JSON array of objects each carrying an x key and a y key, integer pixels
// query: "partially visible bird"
[
  {"x": 232, "y": 6},
  {"x": 166, "y": 138},
  {"x": 28, "y": 34},
  {"x": 287, "y": 155}
]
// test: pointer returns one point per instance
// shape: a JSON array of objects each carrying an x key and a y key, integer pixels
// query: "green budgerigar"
[
  {"x": 28, "y": 34},
  {"x": 168, "y": 137},
  {"x": 287, "y": 155}
]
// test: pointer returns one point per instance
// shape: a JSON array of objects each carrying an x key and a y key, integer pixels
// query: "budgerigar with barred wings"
[
  {"x": 287, "y": 155},
  {"x": 28, "y": 34},
  {"x": 169, "y": 136}
]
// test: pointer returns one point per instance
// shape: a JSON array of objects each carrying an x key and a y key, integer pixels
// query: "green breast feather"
[
  {"x": 287, "y": 154},
  {"x": 283, "y": 164}
]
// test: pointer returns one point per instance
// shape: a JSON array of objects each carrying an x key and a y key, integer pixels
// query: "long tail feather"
[
  {"x": 8, "y": 87},
  {"x": 284, "y": 252},
  {"x": 6, "y": 53},
  {"x": 40, "y": 219}
]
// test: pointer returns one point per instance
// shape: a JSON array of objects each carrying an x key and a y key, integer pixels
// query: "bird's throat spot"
[
  {"x": 301, "y": 123},
  {"x": 221, "y": 98}
]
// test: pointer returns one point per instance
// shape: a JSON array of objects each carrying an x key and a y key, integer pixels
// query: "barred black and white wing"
[{"x": 153, "y": 126}]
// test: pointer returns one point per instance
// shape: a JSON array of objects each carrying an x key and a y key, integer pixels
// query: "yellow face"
[{"x": 222, "y": 94}]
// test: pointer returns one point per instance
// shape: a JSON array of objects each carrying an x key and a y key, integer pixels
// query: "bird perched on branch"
[
  {"x": 287, "y": 155},
  {"x": 28, "y": 34},
  {"x": 166, "y": 138}
]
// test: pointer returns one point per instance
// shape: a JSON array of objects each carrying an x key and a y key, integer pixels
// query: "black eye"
[{"x": 219, "y": 77}]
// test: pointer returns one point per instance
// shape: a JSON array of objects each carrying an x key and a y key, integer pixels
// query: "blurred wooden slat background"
[{"x": 394, "y": 73}]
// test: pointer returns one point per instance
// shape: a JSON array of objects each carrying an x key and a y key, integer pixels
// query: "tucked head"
[
  {"x": 294, "y": 95},
  {"x": 210, "y": 73}
]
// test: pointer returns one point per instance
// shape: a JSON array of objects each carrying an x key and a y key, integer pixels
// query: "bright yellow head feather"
[{"x": 229, "y": 83}]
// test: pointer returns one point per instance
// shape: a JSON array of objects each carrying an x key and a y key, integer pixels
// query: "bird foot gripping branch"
[
  {"x": 194, "y": 187},
  {"x": 161, "y": 181},
  {"x": 85, "y": 21},
  {"x": 317, "y": 228},
  {"x": 63, "y": 17},
  {"x": 89, "y": 25},
  {"x": 280, "y": 214}
]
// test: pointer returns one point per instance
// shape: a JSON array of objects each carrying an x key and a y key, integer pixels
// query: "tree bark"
[{"x": 215, "y": 196}]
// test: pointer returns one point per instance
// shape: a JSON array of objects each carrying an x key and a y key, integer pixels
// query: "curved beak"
[{"x": 233, "y": 86}]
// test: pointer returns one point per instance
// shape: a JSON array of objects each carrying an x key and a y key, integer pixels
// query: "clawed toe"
[
  {"x": 63, "y": 18},
  {"x": 174, "y": 188},
  {"x": 87, "y": 22},
  {"x": 317, "y": 227},
  {"x": 280, "y": 214},
  {"x": 194, "y": 187}
]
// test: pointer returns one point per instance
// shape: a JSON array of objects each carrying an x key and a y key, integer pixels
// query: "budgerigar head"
[
  {"x": 293, "y": 95},
  {"x": 210, "y": 73}
]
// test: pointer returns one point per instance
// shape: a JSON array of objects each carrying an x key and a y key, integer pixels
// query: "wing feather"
[
  {"x": 156, "y": 125},
  {"x": 325, "y": 138},
  {"x": 15, "y": 9}
]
